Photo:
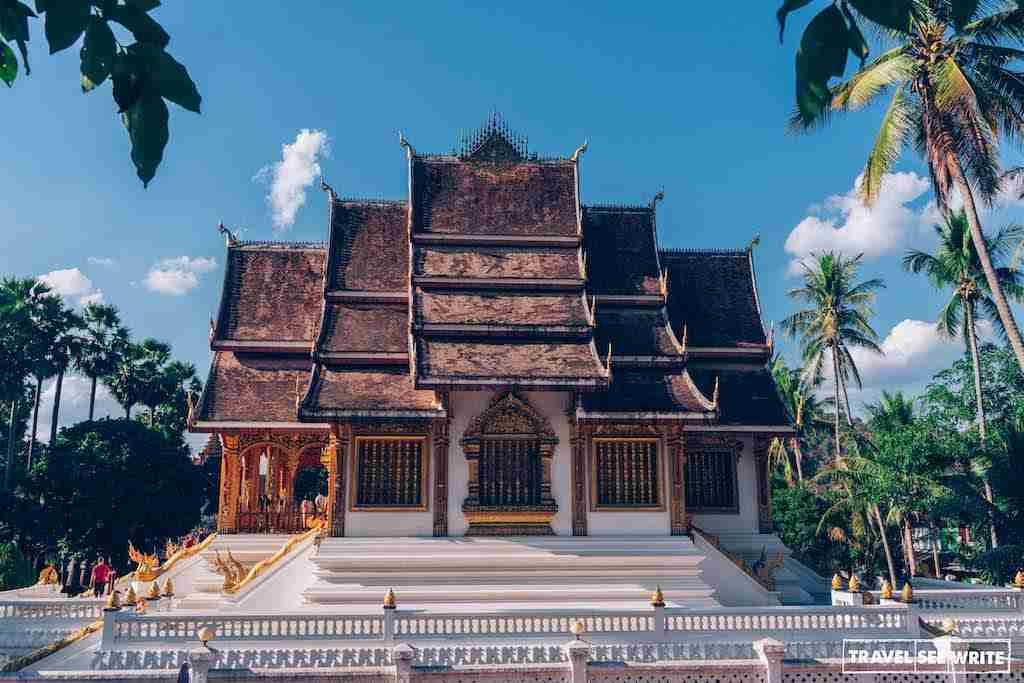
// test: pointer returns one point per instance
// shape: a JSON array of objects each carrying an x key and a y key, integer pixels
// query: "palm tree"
[
  {"x": 806, "y": 410},
  {"x": 98, "y": 354},
  {"x": 52, "y": 342},
  {"x": 66, "y": 348},
  {"x": 954, "y": 95},
  {"x": 835, "y": 321},
  {"x": 956, "y": 265},
  {"x": 137, "y": 376},
  {"x": 20, "y": 302}
]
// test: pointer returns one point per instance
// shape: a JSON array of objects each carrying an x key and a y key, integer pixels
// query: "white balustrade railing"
[
  {"x": 68, "y": 608},
  {"x": 126, "y": 630},
  {"x": 1004, "y": 599},
  {"x": 521, "y": 623},
  {"x": 821, "y": 619},
  {"x": 126, "y": 627}
]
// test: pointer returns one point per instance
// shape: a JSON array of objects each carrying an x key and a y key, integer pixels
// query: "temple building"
[
  {"x": 492, "y": 356},
  {"x": 490, "y": 432}
]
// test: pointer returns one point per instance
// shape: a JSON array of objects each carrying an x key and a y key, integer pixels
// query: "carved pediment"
[{"x": 509, "y": 415}]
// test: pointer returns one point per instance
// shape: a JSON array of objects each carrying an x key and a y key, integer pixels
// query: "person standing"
[
  {"x": 100, "y": 577},
  {"x": 70, "y": 578}
]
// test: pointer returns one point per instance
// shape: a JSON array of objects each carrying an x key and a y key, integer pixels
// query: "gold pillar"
[
  {"x": 334, "y": 460},
  {"x": 578, "y": 440},
  {"x": 764, "y": 489},
  {"x": 441, "y": 430},
  {"x": 230, "y": 480},
  {"x": 680, "y": 520}
]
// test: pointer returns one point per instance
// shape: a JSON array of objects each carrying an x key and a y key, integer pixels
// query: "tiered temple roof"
[{"x": 491, "y": 274}]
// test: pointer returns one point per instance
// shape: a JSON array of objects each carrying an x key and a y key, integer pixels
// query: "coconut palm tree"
[
  {"x": 807, "y": 411},
  {"x": 98, "y": 353},
  {"x": 955, "y": 265},
  {"x": 20, "y": 304},
  {"x": 52, "y": 345},
  {"x": 834, "y": 321},
  {"x": 954, "y": 95}
]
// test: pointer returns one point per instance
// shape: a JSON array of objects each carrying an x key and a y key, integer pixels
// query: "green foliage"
[
  {"x": 144, "y": 74},
  {"x": 797, "y": 512},
  {"x": 999, "y": 566},
  {"x": 15, "y": 570},
  {"x": 108, "y": 482}
]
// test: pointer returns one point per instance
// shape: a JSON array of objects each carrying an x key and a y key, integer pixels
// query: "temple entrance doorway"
[
  {"x": 509, "y": 448},
  {"x": 268, "y": 499}
]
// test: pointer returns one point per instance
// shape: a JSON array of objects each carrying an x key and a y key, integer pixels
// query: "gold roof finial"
[
  {"x": 907, "y": 594},
  {"x": 756, "y": 240},
  {"x": 716, "y": 394},
  {"x": 1018, "y": 580},
  {"x": 658, "y": 598},
  {"x": 114, "y": 601},
  {"x": 663, "y": 282},
  {"x": 328, "y": 189},
  {"x": 229, "y": 237},
  {"x": 658, "y": 196},
  {"x": 854, "y": 585},
  {"x": 579, "y": 152},
  {"x": 837, "y": 582},
  {"x": 409, "y": 151},
  {"x": 389, "y": 599},
  {"x": 168, "y": 589},
  {"x": 886, "y": 589}
]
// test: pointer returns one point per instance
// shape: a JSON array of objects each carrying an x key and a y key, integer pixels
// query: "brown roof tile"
[
  {"x": 501, "y": 309},
  {"x": 271, "y": 294},
  {"x": 508, "y": 362},
  {"x": 339, "y": 392},
  {"x": 621, "y": 251},
  {"x": 369, "y": 246},
  {"x": 251, "y": 387},
  {"x": 634, "y": 332},
  {"x": 472, "y": 197},
  {"x": 365, "y": 327},
  {"x": 647, "y": 391},
  {"x": 713, "y": 294},
  {"x": 498, "y": 262}
]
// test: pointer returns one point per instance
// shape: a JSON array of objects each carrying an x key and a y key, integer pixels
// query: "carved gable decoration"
[
  {"x": 509, "y": 415},
  {"x": 493, "y": 142}
]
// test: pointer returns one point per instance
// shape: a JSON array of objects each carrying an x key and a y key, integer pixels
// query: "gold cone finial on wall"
[{"x": 389, "y": 599}]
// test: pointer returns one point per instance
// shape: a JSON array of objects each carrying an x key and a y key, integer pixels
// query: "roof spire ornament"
[
  {"x": 658, "y": 196},
  {"x": 229, "y": 237},
  {"x": 755, "y": 240},
  {"x": 575, "y": 158},
  {"x": 410, "y": 152},
  {"x": 715, "y": 395},
  {"x": 328, "y": 189}
]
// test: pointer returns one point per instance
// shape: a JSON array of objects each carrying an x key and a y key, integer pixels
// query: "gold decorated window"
[
  {"x": 389, "y": 473},
  {"x": 711, "y": 484},
  {"x": 627, "y": 475}
]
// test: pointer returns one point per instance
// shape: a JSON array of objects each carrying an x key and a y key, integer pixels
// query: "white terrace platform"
[{"x": 507, "y": 604}]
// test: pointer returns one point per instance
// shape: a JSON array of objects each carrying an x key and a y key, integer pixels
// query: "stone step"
[{"x": 529, "y": 571}]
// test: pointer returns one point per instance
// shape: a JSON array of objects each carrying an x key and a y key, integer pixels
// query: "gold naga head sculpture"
[{"x": 146, "y": 563}]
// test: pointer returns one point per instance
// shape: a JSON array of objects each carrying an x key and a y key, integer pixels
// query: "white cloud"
[
  {"x": 178, "y": 276},
  {"x": 843, "y": 223},
  {"x": 104, "y": 261},
  {"x": 95, "y": 297},
  {"x": 914, "y": 352},
  {"x": 74, "y": 404},
  {"x": 290, "y": 177},
  {"x": 71, "y": 283}
]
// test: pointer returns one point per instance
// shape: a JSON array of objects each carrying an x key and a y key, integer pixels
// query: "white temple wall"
[
  {"x": 397, "y": 523},
  {"x": 746, "y": 520},
  {"x": 464, "y": 406}
]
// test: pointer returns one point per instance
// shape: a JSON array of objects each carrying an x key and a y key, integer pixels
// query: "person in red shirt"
[{"x": 100, "y": 577}]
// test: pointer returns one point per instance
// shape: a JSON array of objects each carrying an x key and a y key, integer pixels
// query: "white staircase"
[
  {"x": 246, "y": 548},
  {"x": 509, "y": 573}
]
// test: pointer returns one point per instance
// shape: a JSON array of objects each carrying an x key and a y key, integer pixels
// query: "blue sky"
[{"x": 692, "y": 97}]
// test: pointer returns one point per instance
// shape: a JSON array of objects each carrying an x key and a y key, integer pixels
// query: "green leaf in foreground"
[
  {"x": 65, "y": 22},
  {"x": 146, "y": 122},
  {"x": 97, "y": 53},
  {"x": 166, "y": 75},
  {"x": 8, "y": 64}
]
